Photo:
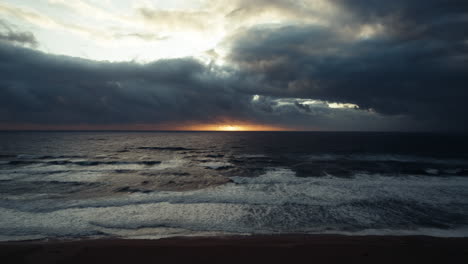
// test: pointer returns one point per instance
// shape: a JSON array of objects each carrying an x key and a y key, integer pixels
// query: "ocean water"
[{"x": 72, "y": 185}]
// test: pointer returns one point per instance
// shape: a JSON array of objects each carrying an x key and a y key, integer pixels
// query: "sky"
[{"x": 320, "y": 65}]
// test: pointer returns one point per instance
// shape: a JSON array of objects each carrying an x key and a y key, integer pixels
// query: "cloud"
[
  {"x": 142, "y": 36},
  {"x": 176, "y": 20},
  {"x": 226, "y": 16},
  {"x": 280, "y": 9},
  {"x": 83, "y": 29},
  {"x": 43, "y": 89},
  {"x": 421, "y": 74},
  {"x": 8, "y": 34},
  {"x": 358, "y": 65},
  {"x": 45, "y": 21},
  {"x": 66, "y": 90},
  {"x": 440, "y": 19},
  {"x": 84, "y": 8},
  {"x": 303, "y": 107}
]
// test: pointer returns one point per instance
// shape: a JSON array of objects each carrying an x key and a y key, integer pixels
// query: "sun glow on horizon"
[
  {"x": 234, "y": 127},
  {"x": 229, "y": 127}
]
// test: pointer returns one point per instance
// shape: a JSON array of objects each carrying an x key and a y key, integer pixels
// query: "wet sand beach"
[{"x": 243, "y": 249}]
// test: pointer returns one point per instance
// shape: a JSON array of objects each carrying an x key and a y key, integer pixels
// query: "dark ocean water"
[{"x": 159, "y": 184}]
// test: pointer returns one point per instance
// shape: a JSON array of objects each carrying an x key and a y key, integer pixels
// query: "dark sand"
[{"x": 240, "y": 250}]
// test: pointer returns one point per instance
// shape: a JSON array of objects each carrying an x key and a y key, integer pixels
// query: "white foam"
[
  {"x": 215, "y": 165},
  {"x": 125, "y": 220},
  {"x": 276, "y": 202},
  {"x": 171, "y": 164},
  {"x": 279, "y": 186},
  {"x": 386, "y": 157},
  {"x": 81, "y": 170}
]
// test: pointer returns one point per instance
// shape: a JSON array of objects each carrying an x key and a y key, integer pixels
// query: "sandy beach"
[{"x": 243, "y": 249}]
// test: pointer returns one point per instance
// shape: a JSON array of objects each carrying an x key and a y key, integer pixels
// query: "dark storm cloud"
[
  {"x": 320, "y": 116},
  {"x": 408, "y": 71},
  {"x": 416, "y": 11},
  {"x": 439, "y": 19},
  {"x": 37, "y": 88},
  {"x": 418, "y": 68},
  {"x": 8, "y": 34},
  {"x": 303, "y": 107},
  {"x": 40, "y": 88}
]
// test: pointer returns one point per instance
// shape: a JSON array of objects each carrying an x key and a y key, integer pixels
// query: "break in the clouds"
[{"x": 321, "y": 65}]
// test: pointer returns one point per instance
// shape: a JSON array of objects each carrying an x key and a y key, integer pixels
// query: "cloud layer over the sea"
[{"x": 358, "y": 65}]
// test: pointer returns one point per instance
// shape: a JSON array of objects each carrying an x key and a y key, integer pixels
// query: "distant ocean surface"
[{"x": 72, "y": 185}]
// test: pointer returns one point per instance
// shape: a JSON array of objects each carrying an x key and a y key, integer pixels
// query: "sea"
[{"x": 151, "y": 185}]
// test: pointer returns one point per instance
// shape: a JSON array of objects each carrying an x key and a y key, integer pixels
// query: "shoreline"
[{"x": 242, "y": 249}]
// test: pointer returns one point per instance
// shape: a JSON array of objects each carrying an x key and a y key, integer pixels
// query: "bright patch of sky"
[
  {"x": 144, "y": 30},
  {"x": 308, "y": 102}
]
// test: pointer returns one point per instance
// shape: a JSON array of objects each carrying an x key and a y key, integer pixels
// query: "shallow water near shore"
[{"x": 163, "y": 184}]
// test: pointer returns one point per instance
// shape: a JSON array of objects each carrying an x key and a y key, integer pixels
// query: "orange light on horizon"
[
  {"x": 222, "y": 126},
  {"x": 234, "y": 127},
  {"x": 231, "y": 128}
]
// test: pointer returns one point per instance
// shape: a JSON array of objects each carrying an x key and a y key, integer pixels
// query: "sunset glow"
[
  {"x": 151, "y": 127},
  {"x": 230, "y": 128},
  {"x": 234, "y": 127}
]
